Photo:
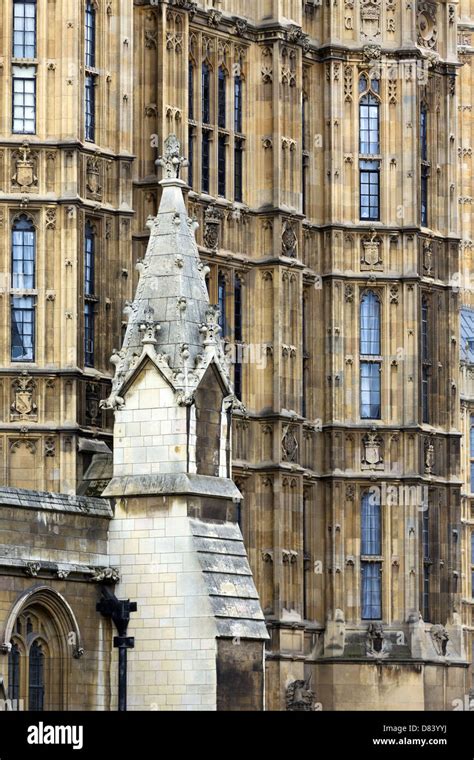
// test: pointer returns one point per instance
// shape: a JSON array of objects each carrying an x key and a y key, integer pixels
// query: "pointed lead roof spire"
[{"x": 171, "y": 320}]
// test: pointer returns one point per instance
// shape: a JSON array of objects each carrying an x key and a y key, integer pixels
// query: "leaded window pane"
[
  {"x": 370, "y": 390},
  {"x": 370, "y": 325},
  {"x": 24, "y": 29},
  {"x": 371, "y": 603},
  {"x": 371, "y": 538}
]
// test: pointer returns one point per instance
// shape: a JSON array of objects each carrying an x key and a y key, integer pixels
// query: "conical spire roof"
[{"x": 171, "y": 320}]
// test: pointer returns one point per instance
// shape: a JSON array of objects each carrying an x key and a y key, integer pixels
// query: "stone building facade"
[{"x": 330, "y": 173}]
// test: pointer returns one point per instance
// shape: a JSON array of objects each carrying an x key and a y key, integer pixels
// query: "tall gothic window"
[
  {"x": 238, "y": 104},
  {"x": 425, "y": 361},
  {"x": 36, "y": 677},
  {"x": 90, "y": 75},
  {"x": 369, "y": 148},
  {"x": 206, "y": 93},
  {"x": 371, "y": 547},
  {"x": 89, "y": 107},
  {"x": 221, "y": 98},
  {"x": 238, "y": 336},
  {"x": 221, "y": 165},
  {"x": 24, "y": 29},
  {"x": 371, "y": 533},
  {"x": 425, "y": 165},
  {"x": 190, "y": 155},
  {"x": 89, "y": 35},
  {"x": 14, "y": 672},
  {"x": 205, "y": 161},
  {"x": 23, "y": 288},
  {"x": 371, "y": 606},
  {"x": 370, "y": 357},
  {"x": 89, "y": 297},
  {"x": 426, "y": 562},
  {"x": 238, "y": 170},
  {"x": 222, "y": 302},
  {"x": 24, "y": 100},
  {"x": 190, "y": 89}
]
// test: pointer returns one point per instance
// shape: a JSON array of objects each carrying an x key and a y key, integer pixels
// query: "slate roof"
[
  {"x": 54, "y": 502},
  {"x": 467, "y": 336},
  {"x": 234, "y": 598}
]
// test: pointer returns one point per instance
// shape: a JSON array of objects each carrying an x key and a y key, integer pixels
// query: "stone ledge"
[{"x": 173, "y": 484}]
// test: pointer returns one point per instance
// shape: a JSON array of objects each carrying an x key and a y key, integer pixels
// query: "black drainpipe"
[{"x": 119, "y": 610}]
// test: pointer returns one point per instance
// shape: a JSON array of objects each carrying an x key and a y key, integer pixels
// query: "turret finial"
[{"x": 172, "y": 161}]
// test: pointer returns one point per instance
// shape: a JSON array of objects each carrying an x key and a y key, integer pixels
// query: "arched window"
[
  {"x": 23, "y": 279},
  {"x": 221, "y": 98},
  {"x": 44, "y": 637},
  {"x": 206, "y": 93},
  {"x": 370, "y": 324},
  {"x": 371, "y": 528},
  {"x": 369, "y": 148}
]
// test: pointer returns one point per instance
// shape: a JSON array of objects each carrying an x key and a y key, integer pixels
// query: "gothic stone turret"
[{"x": 200, "y": 629}]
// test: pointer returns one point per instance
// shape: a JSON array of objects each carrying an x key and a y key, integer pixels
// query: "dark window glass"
[
  {"x": 24, "y": 29},
  {"x": 424, "y": 195},
  {"x": 370, "y": 325},
  {"x": 221, "y": 99},
  {"x": 23, "y": 329},
  {"x": 23, "y": 254},
  {"x": 14, "y": 672},
  {"x": 425, "y": 356},
  {"x": 238, "y": 105},
  {"x": 221, "y": 166},
  {"x": 90, "y": 108},
  {"x": 238, "y": 309},
  {"x": 369, "y": 190},
  {"x": 190, "y": 90},
  {"x": 190, "y": 157},
  {"x": 36, "y": 677},
  {"x": 424, "y": 134},
  {"x": 426, "y": 533},
  {"x": 371, "y": 602},
  {"x": 89, "y": 324},
  {"x": 472, "y": 548},
  {"x": 206, "y": 94},
  {"x": 371, "y": 531},
  {"x": 222, "y": 298},
  {"x": 89, "y": 32},
  {"x": 369, "y": 143},
  {"x": 205, "y": 172},
  {"x": 238, "y": 171},
  {"x": 24, "y": 104},
  {"x": 426, "y": 593},
  {"x": 89, "y": 263},
  {"x": 238, "y": 379},
  {"x": 370, "y": 390}
]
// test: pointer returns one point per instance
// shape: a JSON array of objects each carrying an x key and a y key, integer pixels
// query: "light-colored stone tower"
[{"x": 199, "y": 629}]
